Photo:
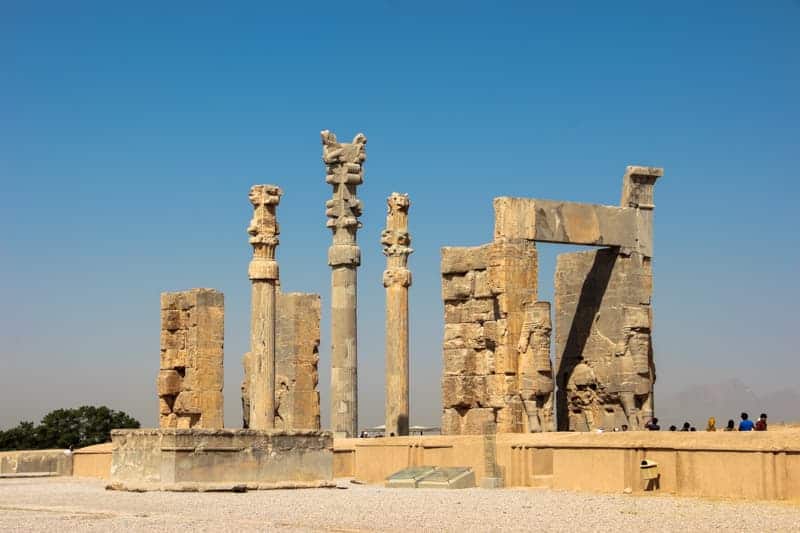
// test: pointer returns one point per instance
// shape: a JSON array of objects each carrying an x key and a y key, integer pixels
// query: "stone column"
[
  {"x": 263, "y": 273},
  {"x": 344, "y": 171},
  {"x": 397, "y": 279}
]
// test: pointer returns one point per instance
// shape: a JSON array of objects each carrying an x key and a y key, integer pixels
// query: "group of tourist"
[{"x": 744, "y": 425}]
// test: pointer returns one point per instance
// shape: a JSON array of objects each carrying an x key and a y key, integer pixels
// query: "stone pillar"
[
  {"x": 263, "y": 273},
  {"x": 344, "y": 171},
  {"x": 296, "y": 358},
  {"x": 397, "y": 279},
  {"x": 191, "y": 376}
]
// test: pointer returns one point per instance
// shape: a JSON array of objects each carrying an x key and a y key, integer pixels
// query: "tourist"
[
  {"x": 761, "y": 423},
  {"x": 692, "y": 428},
  {"x": 712, "y": 424},
  {"x": 653, "y": 425},
  {"x": 673, "y": 428},
  {"x": 746, "y": 424},
  {"x": 686, "y": 426},
  {"x": 624, "y": 427},
  {"x": 731, "y": 426}
]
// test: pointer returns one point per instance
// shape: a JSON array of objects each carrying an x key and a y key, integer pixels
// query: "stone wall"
[
  {"x": 698, "y": 464},
  {"x": 296, "y": 359},
  {"x": 191, "y": 376},
  {"x": 36, "y": 462},
  {"x": 297, "y": 332},
  {"x": 604, "y": 355},
  {"x": 485, "y": 290},
  {"x": 222, "y": 459}
]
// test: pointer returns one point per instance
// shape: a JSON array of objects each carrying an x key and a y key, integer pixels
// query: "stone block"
[
  {"x": 199, "y": 459},
  {"x": 463, "y": 391},
  {"x": 568, "y": 223},
  {"x": 460, "y": 260},
  {"x": 476, "y": 420},
  {"x": 457, "y": 286},
  {"x": 499, "y": 389},
  {"x": 170, "y": 383}
]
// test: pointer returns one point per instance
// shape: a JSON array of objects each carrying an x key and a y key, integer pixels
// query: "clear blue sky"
[{"x": 130, "y": 135}]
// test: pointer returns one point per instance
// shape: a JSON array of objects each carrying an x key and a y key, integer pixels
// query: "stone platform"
[{"x": 220, "y": 459}]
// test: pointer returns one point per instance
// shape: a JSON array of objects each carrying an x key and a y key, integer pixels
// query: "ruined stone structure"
[
  {"x": 497, "y": 334},
  {"x": 191, "y": 377},
  {"x": 396, "y": 243},
  {"x": 296, "y": 360},
  {"x": 263, "y": 273},
  {"x": 296, "y": 364},
  {"x": 536, "y": 384},
  {"x": 344, "y": 164},
  {"x": 486, "y": 290}
]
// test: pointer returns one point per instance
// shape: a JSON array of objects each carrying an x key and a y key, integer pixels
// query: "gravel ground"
[{"x": 68, "y": 504}]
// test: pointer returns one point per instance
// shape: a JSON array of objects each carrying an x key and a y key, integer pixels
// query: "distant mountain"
[{"x": 726, "y": 401}]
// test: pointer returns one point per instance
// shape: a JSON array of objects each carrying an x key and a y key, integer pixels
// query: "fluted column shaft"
[
  {"x": 397, "y": 278},
  {"x": 263, "y": 273}
]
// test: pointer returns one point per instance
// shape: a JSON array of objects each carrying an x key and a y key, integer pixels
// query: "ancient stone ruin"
[
  {"x": 280, "y": 371},
  {"x": 296, "y": 361},
  {"x": 191, "y": 377},
  {"x": 497, "y": 335},
  {"x": 280, "y": 444},
  {"x": 263, "y": 273},
  {"x": 344, "y": 170},
  {"x": 396, "y": 243}
]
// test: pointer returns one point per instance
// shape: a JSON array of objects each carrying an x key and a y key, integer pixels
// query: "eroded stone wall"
[
  {"x": 297, "y": 336},
  {"x": 603, "y": 347},
  {"x": 486, "y": 290},
  {"x": 190, "y": 379},
  {"x": 296, "y": 361}
]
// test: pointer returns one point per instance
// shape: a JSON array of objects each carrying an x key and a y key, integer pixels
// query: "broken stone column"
[
  {"x": 396, "y": 243},
  {"x": 536, "y": 384},
  {"x": 344, "y": 164},
  {"x": 191, "y": 376},
  {"x": 263, "y": 273}
]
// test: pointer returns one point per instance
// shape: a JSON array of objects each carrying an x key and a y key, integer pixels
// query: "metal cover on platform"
[
  {"x": 408, "y": 477},
  {"x": 458, "y": 477}
]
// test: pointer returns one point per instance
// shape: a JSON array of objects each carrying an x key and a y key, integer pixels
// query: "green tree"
[{"x": 62, "y": 428}]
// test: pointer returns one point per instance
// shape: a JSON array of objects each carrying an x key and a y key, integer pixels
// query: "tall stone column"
[
  {"x": 263, "y": 273},
  {"x": 397, "y": 279},
  {"x": 344, "y": 171}
]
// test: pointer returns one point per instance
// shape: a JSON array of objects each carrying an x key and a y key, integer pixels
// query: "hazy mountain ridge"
[{"x": 724, "y": 401}]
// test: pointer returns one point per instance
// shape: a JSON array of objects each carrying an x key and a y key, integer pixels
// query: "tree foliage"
[{"x": 62, "y": 428}]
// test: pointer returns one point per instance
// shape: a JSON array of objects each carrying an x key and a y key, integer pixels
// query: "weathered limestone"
[
  {"x": 536, "y": 381},
  {"x": 190, "y": 378},
  {"x": 344, "y": 164},
  {"x": 263, "y": 273},
  {"x": 628, "y": 227},
  {"x": 603, "y": 351},
  {"x": 497, "y": 335},
  {"x": 485, "y": 290},
  {"x": 396, "y": 243},
  {"x": 223, "y": 459},
  {"x": 296, "y": 359}
]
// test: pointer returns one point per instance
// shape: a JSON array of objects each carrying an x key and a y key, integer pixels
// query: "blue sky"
[{"x": 130, "y": 135}]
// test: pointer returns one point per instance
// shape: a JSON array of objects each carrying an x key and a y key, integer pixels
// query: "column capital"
[{"x": 264, "y": 230}]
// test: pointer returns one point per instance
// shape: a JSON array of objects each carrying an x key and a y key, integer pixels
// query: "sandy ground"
[{"x": 70, "y": 504}]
